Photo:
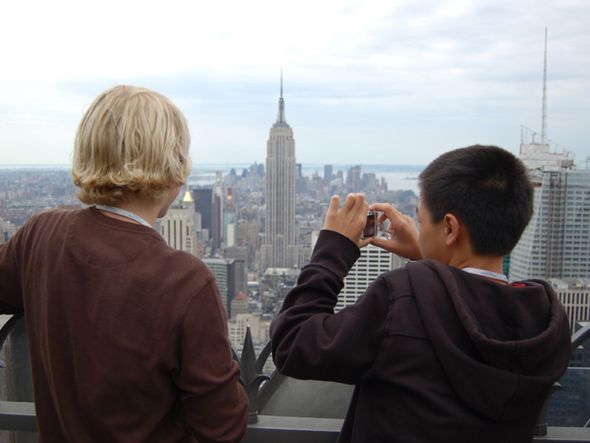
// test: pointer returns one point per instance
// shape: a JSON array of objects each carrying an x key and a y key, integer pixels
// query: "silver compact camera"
[{"x": 371, "y": 225}]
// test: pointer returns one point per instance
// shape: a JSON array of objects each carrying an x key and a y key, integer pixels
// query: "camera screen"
[{"x": 370, "y": 229}]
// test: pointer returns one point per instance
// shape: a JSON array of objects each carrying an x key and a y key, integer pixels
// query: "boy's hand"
[
  {"x": 403, "y": 231},
  {"x": 350, "y": 219}
]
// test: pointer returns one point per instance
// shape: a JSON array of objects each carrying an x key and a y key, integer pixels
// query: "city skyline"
[{"x": 371, "y": 82}]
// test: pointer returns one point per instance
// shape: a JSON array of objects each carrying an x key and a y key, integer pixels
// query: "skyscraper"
[
  {"x": 372, "y": 262},
  {"x": 328, "y": 171},
  {"x": 178, "y": 225},
  {"x": 557, "y": 240},
  {"x": 353, "y": 178},
  {"x": 225, "y": 277},
  {"x": 239, "y": 255},
  {"x": 217, "y": 213},
  {"x": 279, "y": 249},
  {"x": 203, "y": 198},
  {"x": 230, "y": 216}
]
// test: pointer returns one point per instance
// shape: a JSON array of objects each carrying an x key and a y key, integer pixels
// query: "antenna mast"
[{"x": 544, "y": 123}]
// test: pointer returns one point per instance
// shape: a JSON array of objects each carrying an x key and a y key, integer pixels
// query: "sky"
[{"x": 365, "y": 81}]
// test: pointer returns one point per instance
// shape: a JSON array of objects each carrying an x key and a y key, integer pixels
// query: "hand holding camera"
[
  {"x": 403, "y": 234},
  {"x": 380, "y": 224},
  {"x": 350, "y": 219}
]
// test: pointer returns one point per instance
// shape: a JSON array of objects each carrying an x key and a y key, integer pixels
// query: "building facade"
[
  {"x": 225, "y": 276},
  {"x": 203, "y": 198},
  {"x": 217, "y": 213},
  {"x": 237, "y": 326},
  {"x": 574, "y": 295},
  {"x": 556, "y": 243},
  {"x": 353, "y": 179},
  {"x": 240, "y": 305},
  {"x": 178, "y": 225},
  {"x": 372, "y": 262},
  {"x": 328, "y": 173},
  {"x": 239, "y": 254},
  {"x": 279, "y": 249}
]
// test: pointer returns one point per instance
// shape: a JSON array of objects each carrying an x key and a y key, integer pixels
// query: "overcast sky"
[{"x": 366, "y": 81}]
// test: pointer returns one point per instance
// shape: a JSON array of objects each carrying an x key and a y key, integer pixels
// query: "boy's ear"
[{"x": 452, "y": 229}]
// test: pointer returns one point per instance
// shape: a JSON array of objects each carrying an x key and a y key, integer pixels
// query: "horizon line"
[{"x": 225, "y": 164}]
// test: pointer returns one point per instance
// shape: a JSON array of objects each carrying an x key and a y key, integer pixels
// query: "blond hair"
[{"x": 132, "y": 142}]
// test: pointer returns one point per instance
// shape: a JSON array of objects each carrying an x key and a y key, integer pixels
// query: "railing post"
[
  {"x": 252, "y": 377},
  {"x": 20, "y": 381},
  {"x": 541, "y": 424}
]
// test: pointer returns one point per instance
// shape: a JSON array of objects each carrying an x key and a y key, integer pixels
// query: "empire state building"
[{"x": 279, "y": 249}]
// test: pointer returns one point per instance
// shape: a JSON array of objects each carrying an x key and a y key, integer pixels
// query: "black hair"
[{"x": 487, "y": 188}]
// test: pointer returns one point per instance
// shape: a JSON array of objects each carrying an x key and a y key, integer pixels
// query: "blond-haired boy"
[{"x": 127, "y": 336}]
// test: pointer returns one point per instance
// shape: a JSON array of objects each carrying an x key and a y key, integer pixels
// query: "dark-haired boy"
[{"x": 445, "y": 349}]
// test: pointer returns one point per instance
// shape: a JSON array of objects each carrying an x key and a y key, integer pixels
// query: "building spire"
[
  {"x": 281, "y": 116},
  {"x": 544, "y": 122}
]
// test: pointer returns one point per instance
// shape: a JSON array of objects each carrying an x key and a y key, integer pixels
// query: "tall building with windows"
[
  {"x": 217, "y": 213},
  {"x": 574, "y": 295},
  {"x": 225, "y": 277},
  {"x": 237, "y": 326},
  {"x": 353, "y": 178},
  {"x": 557, "y": 240},
  {"x": 203, "y": 198},
  {"x": 239, "y": 254},
  {"x": 328, "y": 173},
  {"x": 279, "y": 249},
  {"x": 178, "y": 225},
  {"x": 371, "y": 264},
  {"x": 240, "y": 304},
  {"x": 230, "y": 218}
]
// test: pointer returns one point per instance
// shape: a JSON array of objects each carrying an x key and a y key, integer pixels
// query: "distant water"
[
  {"x": 35, "y": 167},
  {"x": 398, "y": 177},
  {"x": 376, "y": 168},
  {"x": 400, "y": 181}
]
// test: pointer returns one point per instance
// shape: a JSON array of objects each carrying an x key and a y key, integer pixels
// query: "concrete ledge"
[
  {"x": 565, "y": 435},
  {"x": 272, "y": 429},
  {"x": 18, "y": 416}
]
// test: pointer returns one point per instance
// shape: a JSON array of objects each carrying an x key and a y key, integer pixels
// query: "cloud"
[{"x": 362, "y": 79}]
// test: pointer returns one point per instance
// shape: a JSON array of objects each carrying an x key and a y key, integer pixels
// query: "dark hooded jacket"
[{"x": 436, "y": 354}]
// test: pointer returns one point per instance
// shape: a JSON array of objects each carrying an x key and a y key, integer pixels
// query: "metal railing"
[{"x": 20, "y": 415}]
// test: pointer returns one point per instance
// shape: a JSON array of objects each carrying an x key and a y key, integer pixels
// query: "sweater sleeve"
[
  {"x": 214, "y": 405},
  {"x": 308, "y": 340},
  {"x": 10, "y": 275}
]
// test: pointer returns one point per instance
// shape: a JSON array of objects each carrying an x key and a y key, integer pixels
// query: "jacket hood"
[{"x": 499, "y": 368}]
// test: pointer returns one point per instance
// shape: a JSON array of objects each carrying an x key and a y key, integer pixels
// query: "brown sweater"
[
  {"x": 128, "y": 337},
  {"x": 436, "y": 354}
]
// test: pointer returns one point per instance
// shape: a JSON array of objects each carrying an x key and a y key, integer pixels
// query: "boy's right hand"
[
  {"x": 404, "y": 234},
  {"x": 348, "y": 220}
]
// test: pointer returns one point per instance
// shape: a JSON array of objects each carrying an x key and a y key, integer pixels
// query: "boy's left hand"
[{"x": 350, "y": 219}]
